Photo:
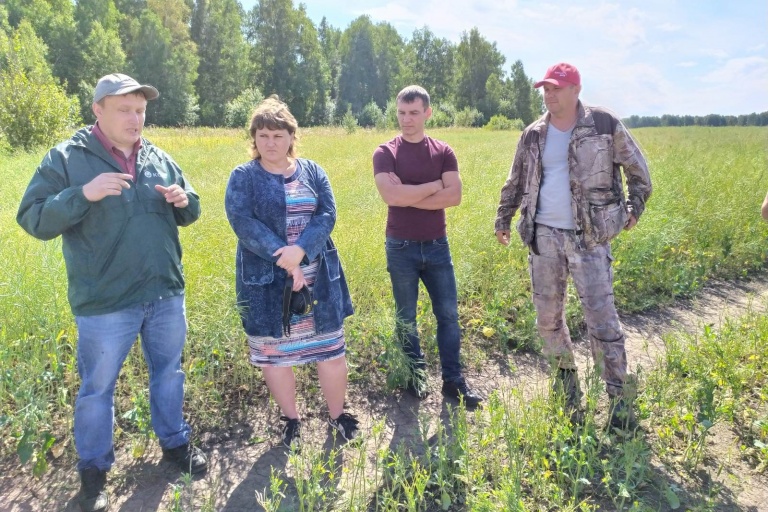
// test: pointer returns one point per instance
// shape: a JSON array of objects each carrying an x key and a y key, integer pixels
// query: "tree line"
[
  {"x": 212, "y": 60},
  {"x": 753, "y": 119}
]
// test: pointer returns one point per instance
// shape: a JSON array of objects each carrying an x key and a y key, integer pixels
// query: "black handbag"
[{"x": 294, "y": 303}]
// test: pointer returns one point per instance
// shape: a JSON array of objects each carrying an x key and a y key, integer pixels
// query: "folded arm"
[
  {"x": 394, "y": 193},
  {"x": 450, "y": 195}
]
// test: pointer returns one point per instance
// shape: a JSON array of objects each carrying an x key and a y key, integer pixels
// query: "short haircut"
[
  {"x": 412, "y": 93},
  {"x": 273, "y": 114}
]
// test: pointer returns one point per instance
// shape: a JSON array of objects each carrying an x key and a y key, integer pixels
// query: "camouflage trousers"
[{"x": 558, "y": 256}]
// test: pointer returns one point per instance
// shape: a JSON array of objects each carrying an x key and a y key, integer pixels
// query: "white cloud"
[
  {"x": 669, "y": 27},
  {"x": 747, "y": 69}
]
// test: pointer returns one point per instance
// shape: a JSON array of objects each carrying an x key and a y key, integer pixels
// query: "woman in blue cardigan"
[{"x": 282, "y": 210}]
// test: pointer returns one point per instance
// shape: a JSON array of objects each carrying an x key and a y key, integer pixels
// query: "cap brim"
[
  {"x": 149, "y": 92},
  {"x": 552, "y": 81}
]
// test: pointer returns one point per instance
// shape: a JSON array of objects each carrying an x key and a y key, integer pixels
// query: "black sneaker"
[
  {"x": 292, "y": 433},
  {"x": 566, "y": 383},
  {"x": 417, "y": 388},
  {"x": 93, "y": 491},
  {"x": 459, "y": 389},
  {"x": 346, "y": 424},
  {"x": 188, "y": 457},
  {"x": 621, "y": 415}
]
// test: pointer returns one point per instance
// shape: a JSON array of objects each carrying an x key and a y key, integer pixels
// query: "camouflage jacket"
[{"x": 600, "y": 146}]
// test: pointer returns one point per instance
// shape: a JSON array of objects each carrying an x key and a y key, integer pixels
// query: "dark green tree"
[
  {"x": 165, "y": 57},
  {"x": 288, "y": 58},
  {"x": 389, "y": 48},
  {"x": 330, "y": 39},
  {"x": 521, "y": 91},
  {"x": 429, "y": 62},
  {"x": 358, "y": 78},
  {"x": 53, "y": 22},
  {"x": 223, "y": 53},
  {"x": 476, "y": 60}
]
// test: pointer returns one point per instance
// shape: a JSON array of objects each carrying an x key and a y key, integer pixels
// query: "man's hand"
[
  {"x": 174, "y": 194},
  {"x": 289, "y": 257},
  {"x": 631, "y": 221},
  {"x": 106, "y": 184},
  {"x": 503, "y": 236}
]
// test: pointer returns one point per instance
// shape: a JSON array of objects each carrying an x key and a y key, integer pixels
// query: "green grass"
[{"x": 702, "y": 222}]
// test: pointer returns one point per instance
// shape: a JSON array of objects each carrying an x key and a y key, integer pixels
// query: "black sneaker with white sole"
[
  {"x": 291, "y": 433},
  {"x": 346, "y": 424}
]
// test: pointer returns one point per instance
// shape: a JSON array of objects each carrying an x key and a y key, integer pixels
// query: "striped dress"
[{"x": 303, "y": 345}]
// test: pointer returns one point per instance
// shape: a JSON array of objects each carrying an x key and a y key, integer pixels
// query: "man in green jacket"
[{"x": 117, "y": 202}]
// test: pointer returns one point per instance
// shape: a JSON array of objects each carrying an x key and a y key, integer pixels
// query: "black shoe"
[
  {"x": 93, "y": 491},
  {"x": 292, "y": 433},
  {"x": 188, "y": 457},
  {"x": 621, "y": 415},
  {"x": 567, "y": 383},
  {"x": 346, "y": 424},
  {"x": 458, "y": 389},
  {"x": 417, "y": 388}
]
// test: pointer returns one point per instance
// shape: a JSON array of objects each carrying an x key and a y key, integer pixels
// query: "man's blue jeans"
[
  {"x": 103, "y": 344},
  {"x": 409, "y": 261}
]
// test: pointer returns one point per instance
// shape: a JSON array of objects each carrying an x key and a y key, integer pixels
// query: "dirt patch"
[{"x": 242, "y": 457}]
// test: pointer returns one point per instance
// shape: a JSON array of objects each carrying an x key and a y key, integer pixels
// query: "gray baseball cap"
[{"x": 118, "y": 84}]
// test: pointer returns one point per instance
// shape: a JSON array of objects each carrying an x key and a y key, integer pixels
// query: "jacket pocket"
[
  {"x": 331, "y": 258},
  {"x": 254, "y": 270},
  {"x": 594, "y": 157},
  {"x": 607, "y": 220}
]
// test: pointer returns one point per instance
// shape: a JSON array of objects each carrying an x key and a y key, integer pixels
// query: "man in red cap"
[{"x": 566, "y": 182}]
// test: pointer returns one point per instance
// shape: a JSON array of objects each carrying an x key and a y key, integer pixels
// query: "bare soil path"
[{"x": 242, "y": 458}]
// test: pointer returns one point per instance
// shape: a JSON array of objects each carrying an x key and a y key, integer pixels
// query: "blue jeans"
[
  {"x": 103, "y": 344},
  {"x": 409, "y": 261}
]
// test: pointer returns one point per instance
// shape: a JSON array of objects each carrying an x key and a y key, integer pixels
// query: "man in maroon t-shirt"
[{"x": 418, "y": 177}]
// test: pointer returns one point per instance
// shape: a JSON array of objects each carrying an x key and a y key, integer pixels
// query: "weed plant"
[{"x": 702, "y": 222}]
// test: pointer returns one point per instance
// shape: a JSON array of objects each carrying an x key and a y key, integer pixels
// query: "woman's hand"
[
  {"x": 289, "y": 257},
  {"x": 298, "y": 278}
]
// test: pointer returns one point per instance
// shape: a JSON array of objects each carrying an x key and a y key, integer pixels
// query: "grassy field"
[{"x": 701, "y": 222}]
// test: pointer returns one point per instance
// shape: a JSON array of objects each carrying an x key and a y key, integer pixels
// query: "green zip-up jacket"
[{"x": 122, "y": 250}]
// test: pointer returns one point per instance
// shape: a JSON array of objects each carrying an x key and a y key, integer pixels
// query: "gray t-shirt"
[{"x": 554, "y": 205}]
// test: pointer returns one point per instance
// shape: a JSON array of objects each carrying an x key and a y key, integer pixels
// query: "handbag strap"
[{"x": 287, "y": 290}]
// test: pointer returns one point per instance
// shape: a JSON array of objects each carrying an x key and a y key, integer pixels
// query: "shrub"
[
  {"x": 371, "y": 115},
  {"x": 390, "y": 114},
  {"x": 499, "y": 122},
  {"x": 34, "y": 113},
  {"x": 349, "y": 122},
  {"x": 443, "y": 116},
  {"x": 468, "y": 117},
  {"x": 237, "y": 113}
]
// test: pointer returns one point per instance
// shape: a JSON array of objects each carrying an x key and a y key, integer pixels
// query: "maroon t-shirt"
[{"x": 415, "y": 163}]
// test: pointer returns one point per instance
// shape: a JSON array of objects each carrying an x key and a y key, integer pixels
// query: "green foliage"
[
  {"x": 238, "y": 112},
  {"x": 349, "y": 122},
  {"x": 289, "y": 57},
  {"x": 223, "y": 55},
  {"x": 33, "y": 114},
  {"x": 431, "y": 60},
  {"x": 468, "y": 117},
  {"x": 499, "y": 122},
  {"x": 518, "y": 453},
  {"x": 165, "y": 56},
  {"x": 477, "y": 60},
  {"x": 370, "y": 116},
  {"x": 710, "y": 378}
]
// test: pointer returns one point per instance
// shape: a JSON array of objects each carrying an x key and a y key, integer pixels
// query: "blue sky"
[{"x": 648, "y": 57}]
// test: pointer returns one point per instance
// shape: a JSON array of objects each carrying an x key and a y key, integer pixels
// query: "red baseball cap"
[{"x": 561, "y": 74}]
